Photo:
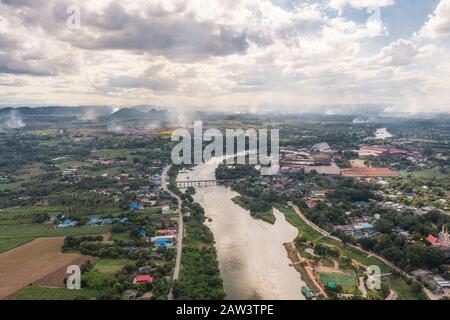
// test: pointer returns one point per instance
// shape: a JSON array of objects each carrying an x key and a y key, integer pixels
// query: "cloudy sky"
[{"x": 252, "y": 55}]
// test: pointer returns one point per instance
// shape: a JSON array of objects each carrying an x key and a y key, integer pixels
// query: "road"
[
  {"x": 327, "y": 234},
  {"x": 176, "y": 270}
]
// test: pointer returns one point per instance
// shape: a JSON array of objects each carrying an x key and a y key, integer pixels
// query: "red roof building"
[
  {"x": 432, "y": 240},
  {"x": 369, "y": 172},
  {"x": 143, "y": 279},
  {"x": 167, "y": 231}
]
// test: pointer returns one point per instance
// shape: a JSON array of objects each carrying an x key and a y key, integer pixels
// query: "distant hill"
[
  {"x": 128, "y": 113},
  {"x": 140, "y": 113},
  {"x": 59, "y": 111}
]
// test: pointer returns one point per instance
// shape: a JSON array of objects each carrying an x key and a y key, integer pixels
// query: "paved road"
[{"x": 176, "y": 270}]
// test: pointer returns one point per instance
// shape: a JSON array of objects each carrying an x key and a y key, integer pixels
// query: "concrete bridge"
[{"x": 203, "y": 183}]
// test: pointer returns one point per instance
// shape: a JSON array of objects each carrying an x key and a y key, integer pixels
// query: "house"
[
  {"x": 130, "y": 294},
  {"x": 364, "y": 226},
  {"x": 319, "y": 193},
  {"x": 163, "y": 242},
  {"x": 321, "y": 147},
  {"x": 432, "y": 240},
  {"x": 170, "y": 231},
  {"x": 167, "y": 210},
  {"x": 68, "y": 224},
  {"x": 135, "y": 206},
  {"x": 146, "y": 270},
  {"x": 359, "y": 204},
  {"x": 143, "y": 232},
  {"x": 420, "y": 273},
  {"x": 143, "y": 278}
]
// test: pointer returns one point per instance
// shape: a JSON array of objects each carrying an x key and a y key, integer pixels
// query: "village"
[{"x": 101, "y": 200}]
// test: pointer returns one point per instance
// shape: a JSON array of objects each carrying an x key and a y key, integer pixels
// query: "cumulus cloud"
[
  {"x": 341, "y": 4},
  {"x": 213, "y": 53},
  {"x": 438, "y": 24}
]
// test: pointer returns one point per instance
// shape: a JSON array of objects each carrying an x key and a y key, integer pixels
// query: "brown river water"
[{"x": 253, "y": 261}]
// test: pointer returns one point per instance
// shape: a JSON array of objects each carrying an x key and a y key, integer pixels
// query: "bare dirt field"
[
  {"x": 56, "y": 278},
  {"x": 33, "y": 261}
]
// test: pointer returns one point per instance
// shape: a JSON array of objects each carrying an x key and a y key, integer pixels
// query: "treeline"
[
  {"x": 258, "y": 209},
  {"x": 200, "y": 274},
  {"x": 226, "y": 172},
  {"x": 408, "y": 256},
  {"x": 83, "y": 203}
]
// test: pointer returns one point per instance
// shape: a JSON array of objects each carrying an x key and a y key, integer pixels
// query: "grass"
[
  {"x": 429, "y": 173},
  {"x": 402, "y": 289},
  {"x": 328, "y": 263},
  {"x": 12, "y": 236},
  {"x": 304, "y": 229},
  {"x": 11, "y": 185},
  {"x": 116, "y": 153},
  {"x": 110, "y": 265},
  {"x": 338, "y": 278},
  {"x": 108, "y": 171},
  {"x": 35, "y": 292},
  {"x": 71, "y": 164}
]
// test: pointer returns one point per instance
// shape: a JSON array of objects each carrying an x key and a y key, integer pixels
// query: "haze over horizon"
[{"x": 247, "y": 55}]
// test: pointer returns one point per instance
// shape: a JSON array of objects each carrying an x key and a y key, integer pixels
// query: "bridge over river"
[{"x": 204, "y": 183}]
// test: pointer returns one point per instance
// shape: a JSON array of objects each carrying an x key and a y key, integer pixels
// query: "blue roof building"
[
  {"x": 135, "y": 206},
  {"x": 143, "y": 233}
]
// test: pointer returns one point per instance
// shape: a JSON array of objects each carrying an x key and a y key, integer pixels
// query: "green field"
[
  {"x": 429, "y": 173},
  {"x": 70, "y": 164},
  {"x": 401, "y": 288},
  {"x": 12, "y": 236},
  {"x": 35, "y": 292},
  {"x": 338, "y": 278},
  {"x": 108, "y": 171},
  {"x": 110, "y": 265},
  {"x": 10, "y": 186},
  {"x": 116, "y": 153}
]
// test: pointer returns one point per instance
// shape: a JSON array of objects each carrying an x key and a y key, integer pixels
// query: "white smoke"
[
  {"x": 13, "y": 121},
  {"x": 181, "y": 117},
  {"x": 114, "y": 128},
  {"x": 115, "y": 109},
  {"x": 360, "y": 121},
  {"x": 153, "y": 125},
  {"x": 90, "y": 115}
]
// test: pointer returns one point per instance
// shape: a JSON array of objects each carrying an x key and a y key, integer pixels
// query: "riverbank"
[{"x": 196, "y": 274}]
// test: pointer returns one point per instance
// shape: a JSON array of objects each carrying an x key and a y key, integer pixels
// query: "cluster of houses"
[
  {"x": 359, "y": 230},
  {"x": 105, "y": 221},
  {"x": 321, "y": 158},
  {"x": 68, "y": 223},
  {"x": 165, "y": 238},
  {"x": 436, "y": 282}
]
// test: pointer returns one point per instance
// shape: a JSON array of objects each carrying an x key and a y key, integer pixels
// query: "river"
[{"x": 252, "y": 259}]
